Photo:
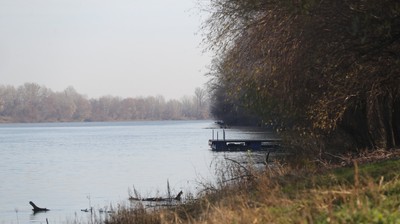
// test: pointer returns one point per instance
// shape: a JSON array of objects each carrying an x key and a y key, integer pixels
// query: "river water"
[{"x": 67, "y": 167}]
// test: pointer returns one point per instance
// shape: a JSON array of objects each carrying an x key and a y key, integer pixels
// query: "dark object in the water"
[
  {"x": 38, "y": 209},
  {"x": 178, "y": 198},
  {"x": 86, "y": 210}
]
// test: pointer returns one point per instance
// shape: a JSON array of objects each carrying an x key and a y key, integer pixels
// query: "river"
[{"x": 67, "y": 167}]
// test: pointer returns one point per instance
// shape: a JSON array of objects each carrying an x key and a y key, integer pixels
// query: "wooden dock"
[{"x": 243, "y": 144}]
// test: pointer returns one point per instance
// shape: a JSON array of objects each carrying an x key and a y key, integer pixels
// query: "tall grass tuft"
[{"x": 136, "y": 214}]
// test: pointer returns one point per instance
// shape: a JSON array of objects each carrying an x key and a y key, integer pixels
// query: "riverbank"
[{"x": 359, "y": 189}]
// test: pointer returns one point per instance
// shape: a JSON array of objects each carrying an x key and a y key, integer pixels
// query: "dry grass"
[
  {"x": 280, "y": 194},
  {"x": 136, "y": 214}
]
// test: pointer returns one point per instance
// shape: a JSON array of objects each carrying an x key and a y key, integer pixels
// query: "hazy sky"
[{"x": 103, "y": 47}]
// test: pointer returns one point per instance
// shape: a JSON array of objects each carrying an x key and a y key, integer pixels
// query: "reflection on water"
[{"x": 68, "y": 167}]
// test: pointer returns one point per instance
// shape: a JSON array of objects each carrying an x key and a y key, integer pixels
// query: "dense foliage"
[
  {"x": 34, "y": 103},
  {"x": 327, "y": 70}
]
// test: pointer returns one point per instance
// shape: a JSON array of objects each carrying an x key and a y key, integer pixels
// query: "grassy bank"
[{"x": 365, "y": 189}]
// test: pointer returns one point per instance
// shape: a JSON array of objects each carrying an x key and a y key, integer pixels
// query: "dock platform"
[{"x": 243, "y": 145}]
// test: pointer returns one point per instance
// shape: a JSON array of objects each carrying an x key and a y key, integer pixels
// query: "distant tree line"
[
  {"x": 326, "y": 71},
  {"x": 34, "y": 103}
]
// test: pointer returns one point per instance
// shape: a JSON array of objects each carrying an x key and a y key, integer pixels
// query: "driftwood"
[
  {"x": 38, "y": 209},
  {"x": 158, "y": 199}
]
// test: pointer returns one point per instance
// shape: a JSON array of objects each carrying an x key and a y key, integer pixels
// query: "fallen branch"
[
  {"x": 37, "y": 209},
  {"x": 158, "y": 199}
]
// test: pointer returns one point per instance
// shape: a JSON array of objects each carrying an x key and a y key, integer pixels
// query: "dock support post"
[{"x": 223, "y": 133}]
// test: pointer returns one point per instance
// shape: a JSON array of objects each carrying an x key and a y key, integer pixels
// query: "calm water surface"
[{"x": 71, "y": 166}]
